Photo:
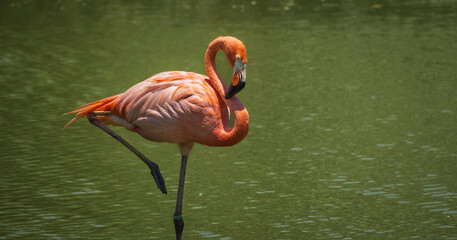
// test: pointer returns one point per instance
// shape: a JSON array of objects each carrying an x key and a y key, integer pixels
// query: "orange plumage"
[{"x": 178, "y": 107}]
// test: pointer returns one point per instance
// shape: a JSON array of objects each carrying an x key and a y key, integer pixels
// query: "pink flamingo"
[{"x": 179, "y": 107}]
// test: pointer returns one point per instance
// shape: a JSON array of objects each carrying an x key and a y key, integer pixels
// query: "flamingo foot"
[
  {"x": 157, "y": 175},
  {"x": 179, "y": 225}
]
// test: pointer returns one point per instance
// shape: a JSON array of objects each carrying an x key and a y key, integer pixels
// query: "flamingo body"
[
  {"x": 181, "y": 107},
  {"x": 175, "y": 107}
]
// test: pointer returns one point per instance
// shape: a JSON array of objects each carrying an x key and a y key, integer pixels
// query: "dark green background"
[{"x": 353, "y": 120}]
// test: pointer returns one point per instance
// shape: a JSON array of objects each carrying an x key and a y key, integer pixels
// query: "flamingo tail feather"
[{"x": 102, "y": 105}]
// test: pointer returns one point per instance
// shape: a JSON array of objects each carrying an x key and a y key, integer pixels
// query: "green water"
[{"x": 353, "y": 108}]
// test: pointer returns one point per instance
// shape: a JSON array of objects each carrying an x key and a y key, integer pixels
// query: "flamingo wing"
[{"x": 173, "y": 107}]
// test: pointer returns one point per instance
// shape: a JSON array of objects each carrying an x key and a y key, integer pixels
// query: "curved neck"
[{"x": 226, "y": 136}]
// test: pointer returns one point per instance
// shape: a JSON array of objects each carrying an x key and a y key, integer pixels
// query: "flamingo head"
[
  {"x": 235, "y": 51},
  {"x": 239, "y": 75}
]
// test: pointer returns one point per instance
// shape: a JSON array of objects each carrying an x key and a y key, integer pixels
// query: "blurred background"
[{"x": 352, "y": 108}]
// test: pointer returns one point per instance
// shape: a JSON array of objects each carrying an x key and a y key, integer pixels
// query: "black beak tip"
[{"x": 234, "y": 90}]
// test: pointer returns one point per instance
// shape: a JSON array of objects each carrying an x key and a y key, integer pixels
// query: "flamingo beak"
[
  {"x": 238, "y": 78},
  {"x": 234, "y": 89}
]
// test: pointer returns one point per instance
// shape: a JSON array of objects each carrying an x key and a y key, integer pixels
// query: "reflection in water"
[{"x": 352, "y": 106}]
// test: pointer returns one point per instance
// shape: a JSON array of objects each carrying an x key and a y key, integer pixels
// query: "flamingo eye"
[{"x": 239, "y": 66}]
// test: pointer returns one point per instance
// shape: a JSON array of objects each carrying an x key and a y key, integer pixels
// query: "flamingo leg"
[
  {"x": 177, "y": 216},
  {"x": 155, "y": 172}
]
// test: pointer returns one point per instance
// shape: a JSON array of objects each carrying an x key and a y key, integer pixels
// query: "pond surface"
[{"x": 353, "y": 108}]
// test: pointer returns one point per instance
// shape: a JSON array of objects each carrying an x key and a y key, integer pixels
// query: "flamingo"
[{"x": 179, "y": 107}]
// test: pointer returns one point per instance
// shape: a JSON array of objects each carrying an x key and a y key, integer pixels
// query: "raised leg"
[
  {"x": 155, "y": 172},
  {"x": 177, "y": 216}
]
